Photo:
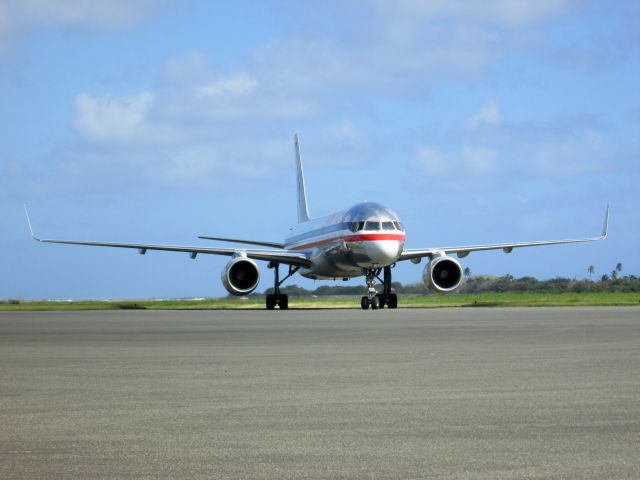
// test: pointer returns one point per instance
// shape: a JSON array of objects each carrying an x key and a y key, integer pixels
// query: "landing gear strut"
[
  {"x": 277, "y": 298},
  {"x": 379, "y": 300}
]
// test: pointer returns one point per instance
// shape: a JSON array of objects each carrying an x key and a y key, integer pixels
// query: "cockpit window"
[
  {"x": 372, "y": 226},
  {"x": 398, "y": 226},
  {"x": 388, "y": 226},
  {"x": 356, "y": 226}
]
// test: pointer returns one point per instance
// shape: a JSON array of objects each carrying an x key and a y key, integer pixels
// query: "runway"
[{"x": 475, "y": 393}]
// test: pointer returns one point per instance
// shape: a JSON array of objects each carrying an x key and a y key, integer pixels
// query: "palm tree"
[
  {"x": 467, "y": 272},
  {"x": 618, "y": 267},
  {"x": 591, "y": 270}
]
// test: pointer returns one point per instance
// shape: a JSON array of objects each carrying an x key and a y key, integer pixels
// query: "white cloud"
[
  {"x": 190, "y": 129},
  {"x": 490, "y": 114},
  {"x": 396, "y": 47},
  {"x": 17, "y": 16},
  {"x": 405, "y": 45},
  {"x": 345, "y": 133},
  {"x": 190, "y": 102},
  {"x": 108, "y": 119},
  {"x": 234, "y": 84}
]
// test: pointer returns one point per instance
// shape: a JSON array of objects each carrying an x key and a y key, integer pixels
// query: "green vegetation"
[
  {"x": 491, "y": 284},
  {"x": 509, "y": 299},
  {"x": 476, "y": 291}
]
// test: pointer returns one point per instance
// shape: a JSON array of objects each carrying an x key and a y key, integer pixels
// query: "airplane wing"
[
  {"x": 416, "y": 254},
  {"x": 287, "y": 257}
]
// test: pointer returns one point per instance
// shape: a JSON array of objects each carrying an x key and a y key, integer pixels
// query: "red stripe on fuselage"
[
  {"x": 362, "y": 237},
  {"x": 368, "y": 237}
]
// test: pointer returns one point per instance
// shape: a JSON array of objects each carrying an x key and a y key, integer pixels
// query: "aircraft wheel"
[
  {"x": 381, "y": 300},
  {"x": 271, "y": 302},
  {"x": 393, "y": 301},
  {"x": 375, "y": 303},
  {"x": 284, "y": 302},
  {"x": 364, "y": 303}
]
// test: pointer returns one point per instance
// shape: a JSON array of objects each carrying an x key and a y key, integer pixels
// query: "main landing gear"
[
  {"x": 379, "y": 300},
  {"x": 277, "y": 298}
]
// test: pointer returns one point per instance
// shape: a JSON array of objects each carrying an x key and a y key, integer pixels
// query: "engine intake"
[
  {"x": 240, "y": 276},
  {"x": 442, "y": 274}
]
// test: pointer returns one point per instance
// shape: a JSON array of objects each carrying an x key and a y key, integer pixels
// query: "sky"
[{"x": 158, "y": 121}]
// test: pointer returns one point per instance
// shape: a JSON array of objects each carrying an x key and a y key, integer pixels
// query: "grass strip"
[{"x": 524, "y": 299}]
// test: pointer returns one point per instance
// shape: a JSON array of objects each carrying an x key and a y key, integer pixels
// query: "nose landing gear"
[
  {"x": 371, "y": 299},
  {"x": 379, "y": 300}
]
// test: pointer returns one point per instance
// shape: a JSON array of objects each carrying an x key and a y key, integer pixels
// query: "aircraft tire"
[
  {"x": 381, "y": 300},
  {"x": 393, "y": 301},
  {"x": 271, "y": 302},
  {"x": 284, "y": 302},
  {"x": 364, "y": 303},
  {"x": 375, "y": 303}
]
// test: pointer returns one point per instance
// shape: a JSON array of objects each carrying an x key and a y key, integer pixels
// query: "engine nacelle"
[
  {"x": 442, "y": 274},
  {"x": 240, "y": 276}
]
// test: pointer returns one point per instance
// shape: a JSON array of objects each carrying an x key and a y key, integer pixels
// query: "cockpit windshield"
[
  {"x": 356, "y": 226},
  {"x": 372, "y": 225},
  {"x": 388, "y": 226}
]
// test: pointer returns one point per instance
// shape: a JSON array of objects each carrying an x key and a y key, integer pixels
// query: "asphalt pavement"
[{"x": 471, "y": 393}]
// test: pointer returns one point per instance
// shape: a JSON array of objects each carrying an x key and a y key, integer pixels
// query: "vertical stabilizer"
[{"x": 303, "y": 211}]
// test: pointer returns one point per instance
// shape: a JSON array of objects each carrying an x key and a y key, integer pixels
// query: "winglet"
[
  {"x": 303, "y": 211},
  {"x": 26, "y": 212},
  {"x": 605, "y": 228}
]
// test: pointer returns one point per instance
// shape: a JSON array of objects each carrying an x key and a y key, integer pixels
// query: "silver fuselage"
[{"x": 341, "y": 245}]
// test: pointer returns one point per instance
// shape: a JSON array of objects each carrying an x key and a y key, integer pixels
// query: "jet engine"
[
  {"x": 442, "y": 274},
  {"x": 240, "y": 276}
]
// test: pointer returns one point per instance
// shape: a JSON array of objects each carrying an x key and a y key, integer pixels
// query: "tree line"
[{"x": 489, "y": 284}]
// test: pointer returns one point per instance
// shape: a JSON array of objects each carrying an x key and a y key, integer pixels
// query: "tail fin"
[{"x": 303, "y": 211}]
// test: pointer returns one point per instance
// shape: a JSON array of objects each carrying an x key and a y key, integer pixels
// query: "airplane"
[{"x": 366, "y": 239}]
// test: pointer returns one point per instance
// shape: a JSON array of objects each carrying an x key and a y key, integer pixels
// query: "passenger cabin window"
[
  {"x": 388, "y": 226},
  {"x": 372, "y": 226}
]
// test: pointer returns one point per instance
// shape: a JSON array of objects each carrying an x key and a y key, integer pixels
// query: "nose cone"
[{"x": 383, "y": 252}]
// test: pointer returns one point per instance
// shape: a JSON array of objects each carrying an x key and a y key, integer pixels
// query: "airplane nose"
[{"x": 383, "y": 252}]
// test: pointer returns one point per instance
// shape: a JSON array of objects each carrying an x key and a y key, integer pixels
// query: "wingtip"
[
  {"x": 605, "y": 227},
  {"x": 26, "y": 212}
]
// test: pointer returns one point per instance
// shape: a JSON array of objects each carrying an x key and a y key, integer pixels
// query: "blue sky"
[{"x": 158, "y": 121}]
